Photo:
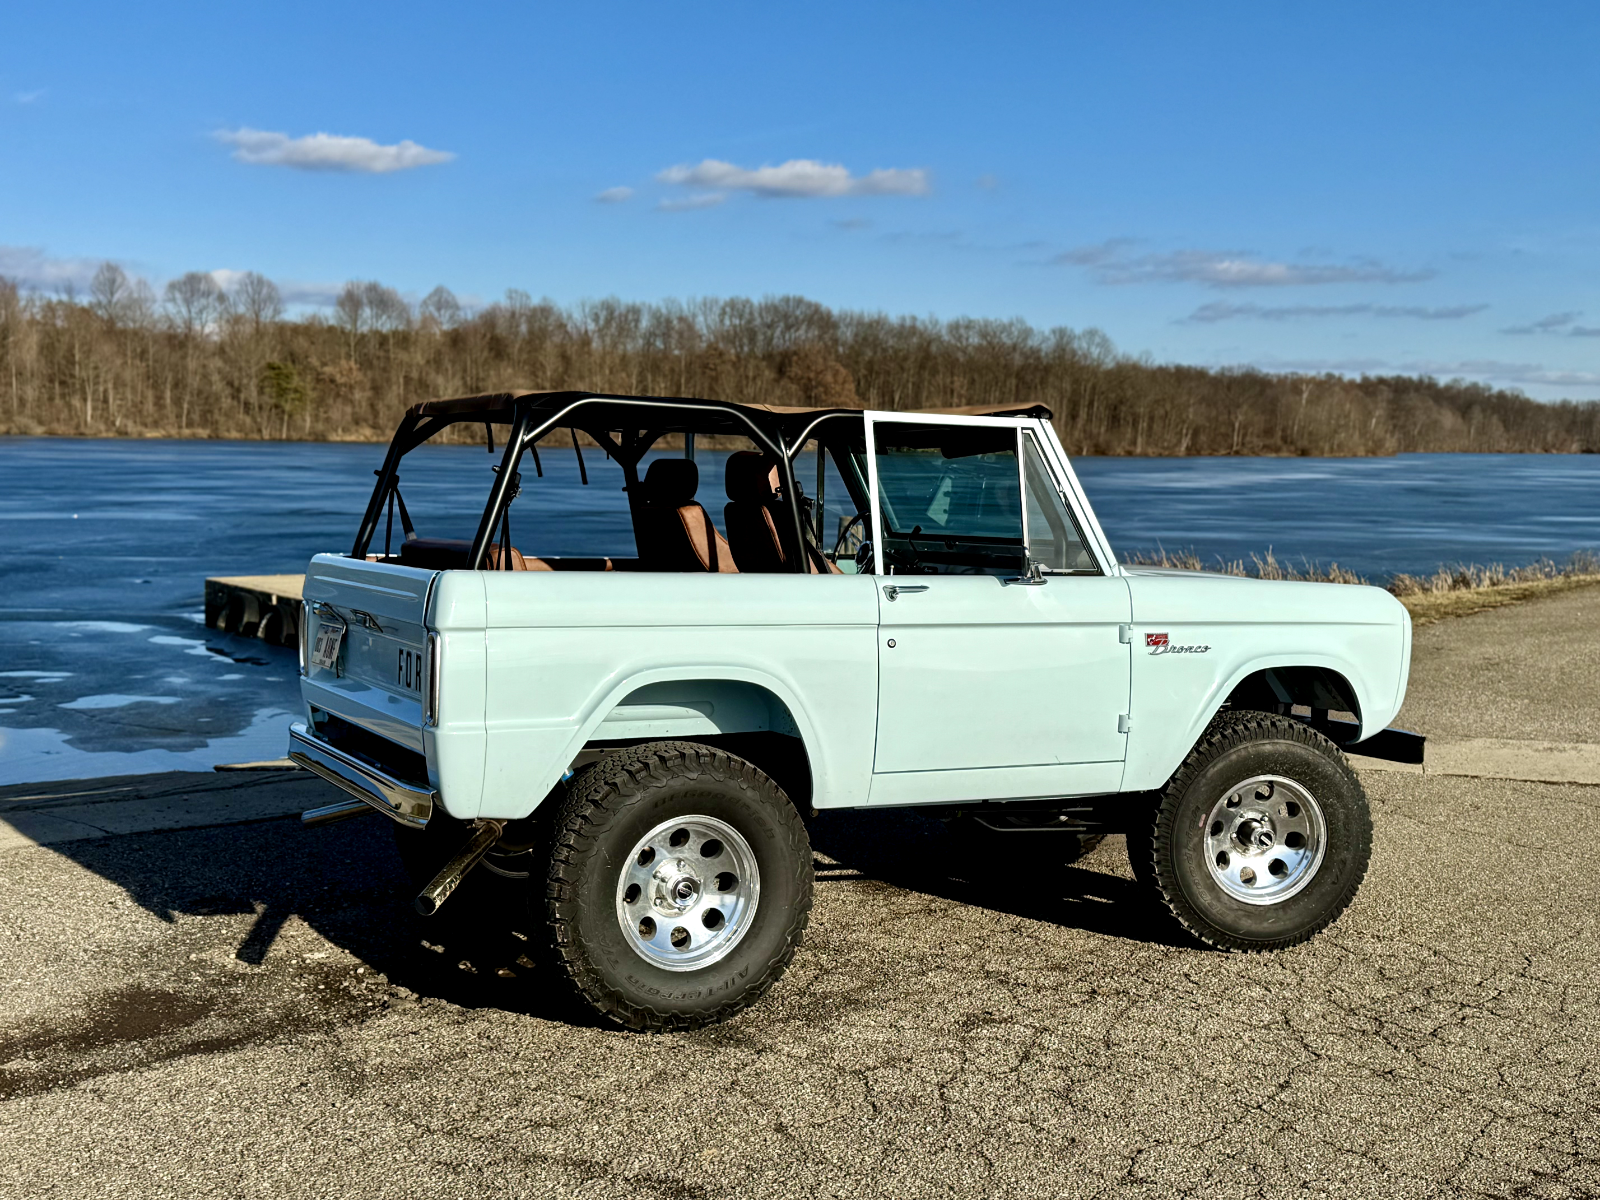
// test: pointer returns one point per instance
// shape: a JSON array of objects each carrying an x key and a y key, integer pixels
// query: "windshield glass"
[{"x": 951, "y": 497}]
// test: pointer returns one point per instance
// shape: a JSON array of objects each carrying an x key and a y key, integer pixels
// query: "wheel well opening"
[
  {"x": 1323, "y": 691},
  {"x": 738, "y": 717}
]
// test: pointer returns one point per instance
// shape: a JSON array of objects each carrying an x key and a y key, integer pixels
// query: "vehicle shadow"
[
  {"x": 346, "y": 883},
  {"x": 272, "y": 880},
  {"x": 1016, "y": 874}
]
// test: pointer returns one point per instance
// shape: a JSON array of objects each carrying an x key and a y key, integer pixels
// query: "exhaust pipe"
[
  {"x": 449, "y": 878},
  {"x": 328, "y": 814}
]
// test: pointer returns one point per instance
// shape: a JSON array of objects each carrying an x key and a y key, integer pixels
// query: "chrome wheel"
[
  {"x": 1265, "y": 840},
  {"x": 688, "y": 892}
]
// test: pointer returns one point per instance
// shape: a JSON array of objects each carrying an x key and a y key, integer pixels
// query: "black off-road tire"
[
  {"x": 1141, "y": 842},
  {"x": 608, "y": 808},
  {"x": 1239, "y": 746}
]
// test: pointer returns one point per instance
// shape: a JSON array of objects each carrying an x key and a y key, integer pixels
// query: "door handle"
[{"x": 892, "y": 591}]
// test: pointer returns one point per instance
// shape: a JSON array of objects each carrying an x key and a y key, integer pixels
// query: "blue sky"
[{"x": 1354, "y": 187}]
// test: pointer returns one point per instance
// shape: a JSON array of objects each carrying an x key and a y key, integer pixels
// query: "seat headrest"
[
  {"x": 752, "y": 477},
  {"x": 672, "y": 481}
]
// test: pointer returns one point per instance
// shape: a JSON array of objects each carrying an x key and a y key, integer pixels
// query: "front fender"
[{"x": 1246, "y": 625}]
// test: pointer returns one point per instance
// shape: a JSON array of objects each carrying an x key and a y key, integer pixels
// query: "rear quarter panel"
[
  {"x": 1363, "y": 633},
  {"x": 562, "y": 649}
]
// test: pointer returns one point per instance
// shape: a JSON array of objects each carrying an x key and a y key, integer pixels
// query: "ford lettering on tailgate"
[{"x": 408, "y": 670}]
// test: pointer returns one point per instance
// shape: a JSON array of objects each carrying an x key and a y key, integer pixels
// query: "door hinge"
[
  {"x": 1124, "y": 723},
  {"x": 1125, "y": 634}
]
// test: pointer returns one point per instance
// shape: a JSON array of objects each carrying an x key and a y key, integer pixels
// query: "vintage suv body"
[{"x": 641, "y": 737}]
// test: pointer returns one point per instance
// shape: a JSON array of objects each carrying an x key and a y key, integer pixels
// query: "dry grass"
[
  {"x": 1453, "y": 591},
  {"x": 1261, "y": 566},
  {"x": 1428, "y": 607}
]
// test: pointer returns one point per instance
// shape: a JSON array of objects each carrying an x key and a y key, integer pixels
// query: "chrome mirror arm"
[{"x": 1032, "y": 575}]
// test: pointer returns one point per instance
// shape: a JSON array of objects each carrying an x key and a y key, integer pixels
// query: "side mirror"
[{"x": 864, "y": 559}]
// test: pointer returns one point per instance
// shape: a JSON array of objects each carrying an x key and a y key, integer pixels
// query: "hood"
[{"x": 1174, "y": 594}]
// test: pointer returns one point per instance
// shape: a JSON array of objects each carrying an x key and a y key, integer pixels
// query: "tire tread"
[
  {"x": 1231, "y": 729},
  {"x": 599, "y": 796}
]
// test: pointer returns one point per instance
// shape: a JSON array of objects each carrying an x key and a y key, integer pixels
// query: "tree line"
[{"x": 201, "y": 360}]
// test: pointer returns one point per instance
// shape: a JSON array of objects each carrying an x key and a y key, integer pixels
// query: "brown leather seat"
[
  {"x": 678, "y": 534},
  {"x": 446, "y": 554},
  {"x": 758, "y": 520},
  {"x": 519, "y": 562}
]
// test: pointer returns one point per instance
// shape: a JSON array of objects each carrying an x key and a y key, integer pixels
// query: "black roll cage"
[{"x": 533, "y": 415}]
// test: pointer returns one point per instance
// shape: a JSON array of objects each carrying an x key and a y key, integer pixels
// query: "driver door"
[{"x": 994, "y": 681}]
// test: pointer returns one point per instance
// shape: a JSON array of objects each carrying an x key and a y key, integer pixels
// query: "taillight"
[
  {"x": 431, "y": 714},
  {"x": 305, "y": 634}
]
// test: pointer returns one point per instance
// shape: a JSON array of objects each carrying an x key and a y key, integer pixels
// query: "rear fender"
[{"x": 680, "y": 703}]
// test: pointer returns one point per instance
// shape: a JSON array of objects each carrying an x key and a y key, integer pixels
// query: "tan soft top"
[{"x": 504, "y": 402}]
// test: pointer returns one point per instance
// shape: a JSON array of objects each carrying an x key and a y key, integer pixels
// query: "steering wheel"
[{"x": 854, "y": 526}]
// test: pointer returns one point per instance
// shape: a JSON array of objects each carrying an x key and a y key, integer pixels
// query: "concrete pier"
[{"x": 263, "y": 606}]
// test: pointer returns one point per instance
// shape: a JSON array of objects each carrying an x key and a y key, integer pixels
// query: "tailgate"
[{"x": 379, "y": 679}]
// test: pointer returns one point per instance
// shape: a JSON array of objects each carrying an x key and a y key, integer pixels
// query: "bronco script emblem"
[{"x": 1159, "y": 643}]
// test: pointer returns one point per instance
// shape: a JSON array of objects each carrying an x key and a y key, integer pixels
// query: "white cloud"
[
  {"x": 799, "y": 177},
  {"x": 1511, "y": 374},
  {"x": 1222, "y": 311},
  {"x": 1506, "y": 372},
  {"x": 1564, "y": 324},
  {"x": 293, "y": 292},
  {"x": 227, "y": 279},
  {"x": 690, "y": 203},
  {"x": 33, "y": 269},
  {"x": 29, "y": 97},
  {"x": 614, "y": 195},
  {"x": 328, "y": 152},
  {"x": 315, "y": 295},
  {"x": 1112, "y": 262}
]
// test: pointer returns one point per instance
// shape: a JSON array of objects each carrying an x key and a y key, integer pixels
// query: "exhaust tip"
[{"x": 483, "y": 838}]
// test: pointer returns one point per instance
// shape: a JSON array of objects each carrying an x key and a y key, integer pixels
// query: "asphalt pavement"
[{"x": 250, "y": 1009}]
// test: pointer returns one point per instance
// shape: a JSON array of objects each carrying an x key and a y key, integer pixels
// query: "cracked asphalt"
[{"x": 253, "y": 1011}]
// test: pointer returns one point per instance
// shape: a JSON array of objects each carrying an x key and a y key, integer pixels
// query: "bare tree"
[
  {"x": 350, "y": 314},
  {"x": 387, "y": 310},
  {"x": 257, "y": 299},
  {"x": 350, "y": 309},
  {"x": 441, "y": 308},
  {"x": 196, "y": 303},
  {"x": 109, "y": 292},
  {"x": 139, "y": 308}
]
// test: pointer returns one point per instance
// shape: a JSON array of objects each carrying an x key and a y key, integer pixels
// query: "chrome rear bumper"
[{"x": 400, "y": 801}]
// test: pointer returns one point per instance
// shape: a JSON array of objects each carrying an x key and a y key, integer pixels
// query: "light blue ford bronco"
[{"x": 814, "y": 609}]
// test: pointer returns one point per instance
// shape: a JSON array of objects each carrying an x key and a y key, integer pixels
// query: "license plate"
[{"x": 325, "y": 652}]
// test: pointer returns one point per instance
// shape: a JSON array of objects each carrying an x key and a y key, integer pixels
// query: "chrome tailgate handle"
[{"x": 893, "y": 591}]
